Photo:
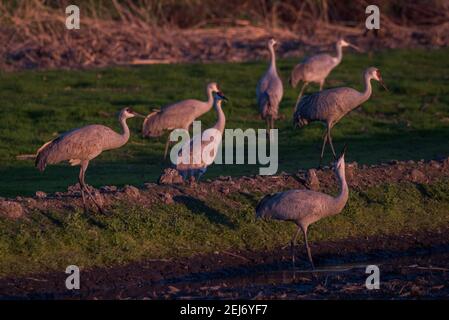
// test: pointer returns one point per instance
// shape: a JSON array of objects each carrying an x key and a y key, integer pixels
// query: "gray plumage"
[
  {"x": 270, "y": 90},
  {"x": 316, "y": 68},
  {"x": 304, "y": 207},
  {"x": 179, "y": 115},
  {"x": 329, "y": 106},
  {"x": 81, "y": 145},
  {"x": 195, "y": 164}
]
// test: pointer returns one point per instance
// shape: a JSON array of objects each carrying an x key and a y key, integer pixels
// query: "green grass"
[
  {"x": 52, "y": 240},
  {"x": 409, "y": 122}
]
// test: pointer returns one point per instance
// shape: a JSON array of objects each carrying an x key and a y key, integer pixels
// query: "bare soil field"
[{"x": 412, "y": 266}]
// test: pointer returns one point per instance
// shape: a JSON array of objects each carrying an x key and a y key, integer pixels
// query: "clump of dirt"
[
  {"x": 170, "y": 176},
  {"x": 358, "y": 178},
  {"x": 40, "y": 195},
  {"x": 312, "y": 181},
  {"x": 417, "y": 176},
  {"x": 11, "y": 209},
  {"x": 131, "y": 191}
]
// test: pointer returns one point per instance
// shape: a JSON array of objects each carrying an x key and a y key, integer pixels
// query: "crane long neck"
[
  {"x": 342, "y": 198},
  {"x": 124, "y": 137},
  {"x": 368, "y": 89},
  {"x": 272, "y": 58},
  {"x": 221, "y": 119},
  {"x": 339, "y": 56},
  {"x": 210, "y": 98},
  {"x": 208, "y": 104}
]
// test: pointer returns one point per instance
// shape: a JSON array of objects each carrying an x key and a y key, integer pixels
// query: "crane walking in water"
[
  {"x": 202, "y": 148},
  {"x": 179, "y": 115},
  {"x": 79, "y": 146},
  {"x": 305, "y": 207},
  {"x": 316, "y": 68},
  {"x": 329, "y": 106},
  {"x": 270, "y": 90}
]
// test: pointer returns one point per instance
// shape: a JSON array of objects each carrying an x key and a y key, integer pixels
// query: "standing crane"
[
  {"x": 202, "y": 148},
  {"x": 179, "y": 115},
  {"x": 316, "y": 68},
  {"x": 305, "y": 207},
  {"x": 270, "y": 90},
  {"x": 329, "y": 106},
  {"x": 80, "y": 146}
]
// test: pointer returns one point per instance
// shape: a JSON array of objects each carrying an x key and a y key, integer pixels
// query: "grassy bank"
[
  {"x": 408, "y": 122},
  {"x": 52, "y": 240}
]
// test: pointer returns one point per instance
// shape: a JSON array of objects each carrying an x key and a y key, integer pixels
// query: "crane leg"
[
  {"x": 268, "y": 122},
  {"x": 80, "y": 181},
  {"x": 304, "y": 230},
  {"x": 300, "y": 93},
  {"x": 330, "y": 142},
  {"x": 321, "y": 85},
  {"x": 84, "y": 187},
  {"x": 292, "y": 246},
  {"x": 200, "y": 173},
  {"x": 322, "y": 148},
  {"x": 167, "y": 144}
]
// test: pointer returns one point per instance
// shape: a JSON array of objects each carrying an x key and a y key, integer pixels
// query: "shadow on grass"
[{"x": 197, "y": 206}]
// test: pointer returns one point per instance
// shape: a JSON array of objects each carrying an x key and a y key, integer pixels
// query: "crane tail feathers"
[
  {"x": 299, "y": 118},
  {"x": 41, "y": 161},
  {"x": 151, "y": 126},
  {"x": 43, "y": 154}
]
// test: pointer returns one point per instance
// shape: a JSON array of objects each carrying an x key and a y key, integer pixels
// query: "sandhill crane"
[
  {"x": 80, "y": 146},
  {"x": 270, "y": 90},
  {"x": 305, "y": 207},
  {"x": 316, "y": 68},
  {"x": 203, "y": 147},
  {"x": 329, "y": 106},
  {"x": 179, "y": 115}
]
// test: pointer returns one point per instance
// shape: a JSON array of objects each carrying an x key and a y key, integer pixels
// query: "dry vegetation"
[{"x": 120, "y": 32}]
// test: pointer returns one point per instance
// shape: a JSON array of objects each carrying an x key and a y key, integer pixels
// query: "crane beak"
[
  {"x": 222, "y": 96},
  {"x": 355, "y": 47},
  {"x": 343, "y": 151},
  {"x": 138, "y": 115},
  {"x": 383, "y": 84}
]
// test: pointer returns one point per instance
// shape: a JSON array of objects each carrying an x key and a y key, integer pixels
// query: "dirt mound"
[
  {"x": 11, "y": 209},
  {"x": 358, "y": 177},
  {"x": 170, "y": 176}
]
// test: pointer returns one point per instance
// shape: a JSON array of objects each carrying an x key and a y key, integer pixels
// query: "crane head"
[
  {"x": 340, "y": 160},
  {"x": 128, "y": 112},
  {"x": 272, "y": 42},
  {"x": 377, "y": 76},
  {"x": 343, "y": 43},
  {"x": 218, "y": 95},
  {"x": 213, "y": 86}
]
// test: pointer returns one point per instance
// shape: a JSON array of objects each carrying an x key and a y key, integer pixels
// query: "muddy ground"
[{"x": 411, "y": 265}]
